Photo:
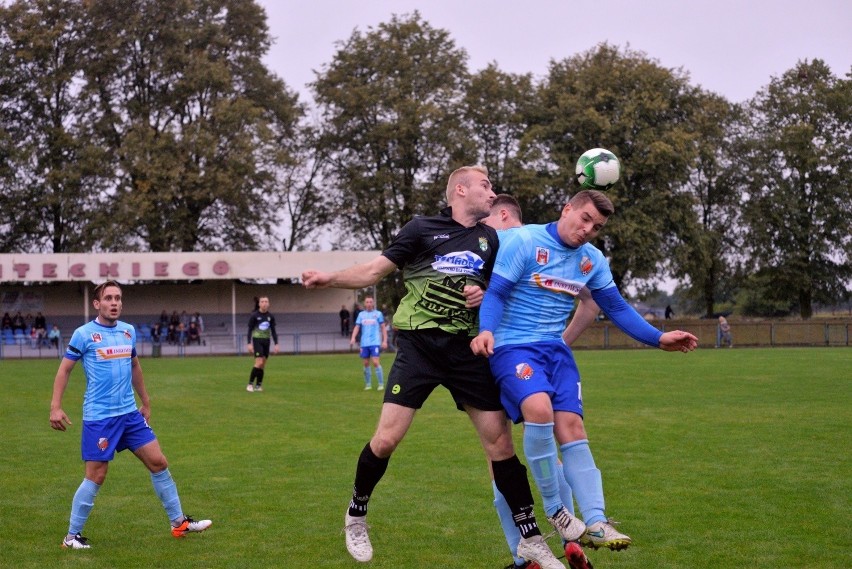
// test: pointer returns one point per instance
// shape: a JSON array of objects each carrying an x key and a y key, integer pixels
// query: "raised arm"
[{"x": 354, "y": 277}]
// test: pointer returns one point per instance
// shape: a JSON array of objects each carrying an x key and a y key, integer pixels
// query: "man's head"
[
  {"x": 369, "y": 303},
  {"x": 470, "y": 190},
  {"x": 583, "y": 217},
  {"x": 505, "y": 213},
  {"x": 263, "y": 303},
  {"x": 107, "y": 301}
]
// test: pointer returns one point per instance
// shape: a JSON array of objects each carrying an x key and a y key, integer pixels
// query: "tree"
[
  {"x": 629, "y": 104},
  {"x": 53, "y": 172},
  {"x": 497, "y": 107},
  {"x": 796, "y": 163},
  {"x": 390, "y": 103},
  {"x": 302, "y": 193},
  {"x": 193, "y": 122},
  {"x": 706, "y": 252}
]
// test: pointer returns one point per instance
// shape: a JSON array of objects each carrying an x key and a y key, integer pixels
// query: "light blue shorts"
[{"x": 521, "y": 370}]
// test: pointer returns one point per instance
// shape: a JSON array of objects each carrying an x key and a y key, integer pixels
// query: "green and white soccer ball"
[{"x": 598, "y": 169}]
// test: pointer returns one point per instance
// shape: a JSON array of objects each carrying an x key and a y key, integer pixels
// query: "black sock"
[
  {"x": 253, "y": 374},
  {"x": 259, "y": 376},
  {"x": 510, "y": 476},
  {"x": 369, "y": 471}
]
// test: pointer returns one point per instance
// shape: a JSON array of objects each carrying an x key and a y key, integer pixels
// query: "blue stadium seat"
[{"x": 8, "y": 337}]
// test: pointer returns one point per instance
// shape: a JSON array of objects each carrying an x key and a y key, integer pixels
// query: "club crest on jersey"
[
  {"x": 483, "y": 244},
  {"x": 542, "y": 255},
  {"x": 96, "y": 337},
  {"x": 127, "y": 334},
  {"x": 523, "y": 371},
  {"x": 103, "y": 443},
  {"x": 586, "y": 265}
]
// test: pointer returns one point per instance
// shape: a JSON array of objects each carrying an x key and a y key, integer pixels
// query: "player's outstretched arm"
[{"x": 357, "y": 276}]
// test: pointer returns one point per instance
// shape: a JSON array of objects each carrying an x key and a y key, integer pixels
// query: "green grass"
[{"x": 719, "y": 458}]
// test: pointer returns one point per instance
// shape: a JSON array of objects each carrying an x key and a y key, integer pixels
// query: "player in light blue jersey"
[
  {"x": 539, "y": 271},
  {"x": 374, "y": 338},
  {"x": 111, "y": 420},
  {"x": 506, "y": 216}
]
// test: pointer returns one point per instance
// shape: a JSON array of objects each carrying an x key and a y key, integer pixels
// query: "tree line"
[{"x": 153, "y": 125}]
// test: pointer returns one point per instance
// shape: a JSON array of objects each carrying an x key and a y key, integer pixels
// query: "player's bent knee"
[{"x": 384, "y": 446}]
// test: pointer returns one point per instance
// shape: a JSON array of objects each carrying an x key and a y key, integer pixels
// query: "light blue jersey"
[
  {"x": 106, "y": 352},
  {"x": 370, "y": 322},
  {"x": 547, "y": 275}
]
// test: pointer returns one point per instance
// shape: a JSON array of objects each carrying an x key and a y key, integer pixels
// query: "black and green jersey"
[
  {"x": 262, "y": 326},
  {"x": 438, "y": 257}
]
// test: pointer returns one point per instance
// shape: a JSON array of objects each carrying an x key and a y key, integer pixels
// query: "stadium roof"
[{"x": 130, "y": 267}]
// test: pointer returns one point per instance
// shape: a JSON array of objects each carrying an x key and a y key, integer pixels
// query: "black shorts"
[
  {"x": 426, "y": 359},
  {"x": 261, "y": 347}
]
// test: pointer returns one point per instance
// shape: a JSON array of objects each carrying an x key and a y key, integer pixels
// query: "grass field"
[{"x": 719, "y": 458}]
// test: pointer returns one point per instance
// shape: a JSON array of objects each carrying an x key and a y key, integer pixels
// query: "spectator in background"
[
  {"x": 7, "y": 322},
  {"x": 18, "y": 322},
  {"x": 54, "y": 336},
  {"x": 156, "y": 333},
  {"x": 193, "y": 334},
  {"x": 199, "y": 322},
  {"x": 669, "y": 312},
  {"x": 164, "y": 320},
  {"x": 40, "y": 325},
  {"x": 724, "y": 335},
  {"x": 171, "y": 334},
  {"x": 344, "y": 320},
  {"x": 33, "y": 337},
  {"x": 40, "y": 322}
]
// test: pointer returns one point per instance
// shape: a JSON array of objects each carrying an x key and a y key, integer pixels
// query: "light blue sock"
[
  {"x": 166, "y": 490},
  {"x": 585, "y": 480},
  {"x": 367, "y": 379},
  {"x": 565, "y": 492},
  {"x": 380, "y": 374},
  {"x": 540, "y": 450},
  {"x": 510, "y": 530},
  {"x": 81, "y": 505}
]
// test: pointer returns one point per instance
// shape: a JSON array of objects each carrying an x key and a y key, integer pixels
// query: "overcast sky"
[{"x": 731, "y": 47}]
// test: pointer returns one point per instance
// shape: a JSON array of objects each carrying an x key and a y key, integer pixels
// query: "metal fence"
[
  {"x": 600, "y": 335},
  {"x": 211, "y": 344},
  {"x": 605, "y": 335}
]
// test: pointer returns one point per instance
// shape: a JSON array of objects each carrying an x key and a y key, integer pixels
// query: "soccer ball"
[{"x": 598, "y": 169}]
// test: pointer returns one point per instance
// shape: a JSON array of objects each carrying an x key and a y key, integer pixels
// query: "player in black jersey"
[
  {"x": 446, "y": 261},
  {"x": 261, "y": 328}
]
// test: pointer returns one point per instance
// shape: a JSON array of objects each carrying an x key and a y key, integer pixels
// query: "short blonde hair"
[{"x": 460, "y": 176}]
